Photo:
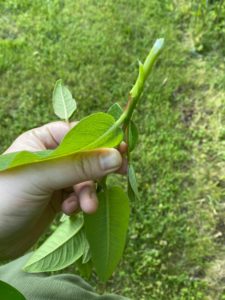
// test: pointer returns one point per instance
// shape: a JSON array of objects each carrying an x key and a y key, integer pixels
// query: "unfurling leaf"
[
  {"x": 61, "y": 249},
  {"x": 133, "y": 136},
  {"x": 132, "y": 180},
  {"x": 115, "y": 110},
  {"x": 92, "y": 132},
  {"x": 63, "y": 103},
  {"x": 106, "y": 230}
]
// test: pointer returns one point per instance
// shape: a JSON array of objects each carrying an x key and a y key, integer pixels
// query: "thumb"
[{"x": 65, "y": 172}]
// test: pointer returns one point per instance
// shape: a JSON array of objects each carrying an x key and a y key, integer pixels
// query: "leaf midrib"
[
  {"x": 107, "y": 229},
  {"x": 61, "y": 91},
  {"x": 51, "y": 155},
  {"x": 101, "y": 137},
  {"x": 59, "y": 246}
]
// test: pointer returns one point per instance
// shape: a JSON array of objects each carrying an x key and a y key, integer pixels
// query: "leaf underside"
[
  {"x": 63, "y": 103},
  {"x": 61, "y": 249},
  {"x": 106, "y": 230},
  {"x": 92, "y": 132}
]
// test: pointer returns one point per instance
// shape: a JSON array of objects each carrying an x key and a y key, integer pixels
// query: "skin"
[{"x": 32, "y": 195}]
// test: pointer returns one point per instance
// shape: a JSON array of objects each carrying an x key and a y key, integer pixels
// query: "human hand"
[{"x": 32, "y": 195}]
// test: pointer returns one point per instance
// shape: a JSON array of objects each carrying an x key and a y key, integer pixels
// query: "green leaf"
[
  {"x": 63, "y": 103},
  {"x": 85, "y": 269},
  {"x": 84, "y": 263},
  {"x": 106, "y": 230},
  {"x": 8, "y": 292},
  {"x": 132, "y": 180},
  {"x": 61, "y": 249},
  {"x": 92, "y": 132},
  {"x": 130, "y": 193},
  {"x": 87, "y": 252},
  {"x": 133, "y": 136},
  {"x": 115, "y": 110},
  {"x": 64, "y": 218}
]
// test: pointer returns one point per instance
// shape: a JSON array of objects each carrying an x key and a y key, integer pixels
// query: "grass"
[{"x": 175, "y": 247}]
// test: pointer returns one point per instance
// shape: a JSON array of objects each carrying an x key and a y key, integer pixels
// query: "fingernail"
[{"x": 111, "y": 160}]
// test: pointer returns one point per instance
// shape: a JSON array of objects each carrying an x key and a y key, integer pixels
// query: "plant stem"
[{"x": 136, "y": 91}]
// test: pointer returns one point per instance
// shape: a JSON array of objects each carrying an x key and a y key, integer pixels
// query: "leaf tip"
[{"x": 158, "y": 45}]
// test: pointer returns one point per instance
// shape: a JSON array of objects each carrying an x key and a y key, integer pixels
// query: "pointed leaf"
[
  {"x": 115, "y": 110},
  {"x": 61, "y": 249},
  {"x": 133, "y": 136},
  {"x": 92, "y": 132},
  {"x": 63, "y": 103},
  {"x": 130, "y": 193},
  {"x": 132, "y": 180},
  {"x": 106, "y": 230},
  {"x": 8, "y": 292}
]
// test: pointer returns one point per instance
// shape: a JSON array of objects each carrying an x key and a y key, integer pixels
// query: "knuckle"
[
  {"x": 87, "y": 167},
  {"x": 84, "y": 166}
]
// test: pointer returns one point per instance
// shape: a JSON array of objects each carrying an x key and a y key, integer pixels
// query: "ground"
[{"x": 175, "y": 247}]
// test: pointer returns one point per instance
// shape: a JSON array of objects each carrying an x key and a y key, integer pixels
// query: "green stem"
[
  {"x": 134, "y": 96},
  {"x": 136, "y": 91}
]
